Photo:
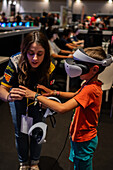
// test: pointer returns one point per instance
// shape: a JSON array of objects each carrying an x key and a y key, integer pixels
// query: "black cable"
[
  {"x": 52, "y": 120},
  {"x": 61, "y": 150}
]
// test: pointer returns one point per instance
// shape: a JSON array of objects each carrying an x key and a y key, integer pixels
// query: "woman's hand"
[
  {"x": 48, "y": 91},
  {"x": 28, "y": 93},
  {"x": 15, "y": 94}
]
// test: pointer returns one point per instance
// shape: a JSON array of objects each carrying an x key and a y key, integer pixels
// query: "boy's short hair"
[{"x": 97, "y": 53}]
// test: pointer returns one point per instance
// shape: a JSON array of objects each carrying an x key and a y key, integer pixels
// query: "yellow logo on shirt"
[
  {"x": 9, "y": 68},
  {"x": 7, "y": 77},
  {"x": 52, "y": 67}
]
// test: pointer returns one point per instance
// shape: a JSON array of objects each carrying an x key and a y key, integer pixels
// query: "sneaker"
[
  {"x": 34, "y": 167},
  {"x": 24, "y": 167}
]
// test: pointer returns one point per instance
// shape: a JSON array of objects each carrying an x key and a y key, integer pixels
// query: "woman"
[{"x": 29, "y": 67}]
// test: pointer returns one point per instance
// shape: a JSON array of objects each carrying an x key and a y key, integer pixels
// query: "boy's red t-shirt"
[{"x": 85, "y": 119}]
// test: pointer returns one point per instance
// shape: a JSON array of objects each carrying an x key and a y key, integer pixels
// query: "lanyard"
[{"x": 28, "y": 104}]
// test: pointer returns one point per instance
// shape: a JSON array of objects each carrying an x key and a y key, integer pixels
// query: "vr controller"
[{"x": 39, "y": 130}]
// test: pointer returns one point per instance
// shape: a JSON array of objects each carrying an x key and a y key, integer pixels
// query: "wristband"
[
  {"x": 7, "y": 97},
  {"x": 56, "y": 93},
  {"x": 36, "y": 100}
]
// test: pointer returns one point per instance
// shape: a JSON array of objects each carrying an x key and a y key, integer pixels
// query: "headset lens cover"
[{"x": 37, "y": 134}]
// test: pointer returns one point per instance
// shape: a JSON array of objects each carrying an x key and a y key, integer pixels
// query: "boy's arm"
[
  {"x": 67, "y": 95},
  {"x": 49, "y": 92},
  {"x": 56, "y": 106}
]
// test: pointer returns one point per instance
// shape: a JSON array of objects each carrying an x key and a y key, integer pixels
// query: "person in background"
[
  {"x": 106, "y": 22},
  {"x": 29, "y": 67},
  {"x": 57, "y": 55},
  {"x": 18, "y": 18},
  {"x": 87, "y": 101},
  {"x": 73, "y": 38},
  {"x": 56, "y": 19},
  {"x": 3, "y": 17},
  {"x": 26, "y": 18},
  {"x": 99, "y": 23},
  {"x": 12, "y": 17},
  {"x": 93, "y": 20},
  {"x": 37, "y": 21},
  {"x": 52, "y": 35},
  {"x": 43, "y": 20},
  {"x": 50, "y": 19},
  {"x": 64, "y": 40}
]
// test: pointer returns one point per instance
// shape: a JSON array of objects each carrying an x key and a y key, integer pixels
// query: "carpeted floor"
[{"x": 103, "y": 158}]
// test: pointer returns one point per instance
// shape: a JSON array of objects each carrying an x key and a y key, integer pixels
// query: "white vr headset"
[
  {"x": 76, "y": 66},
  {"x": 39, "y": 130}
]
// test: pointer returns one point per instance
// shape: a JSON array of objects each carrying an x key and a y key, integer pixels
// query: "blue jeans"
[
  {"x": 81, "y": 153},
  {"x": 23, "y": 144}
]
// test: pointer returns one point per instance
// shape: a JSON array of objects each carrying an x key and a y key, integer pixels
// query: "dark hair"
[
  {"x": 66, "y": 32},
  {"x": 75, "y": 30},
  {"x": 42, "y": 71},
  {"x": 3, "y": 13},
  {"x": 50, "y": 32}
]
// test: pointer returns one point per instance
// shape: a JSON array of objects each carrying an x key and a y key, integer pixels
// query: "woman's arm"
[
  {"x": 14, "y": 94},
  {"x": 4, "y": 92}
]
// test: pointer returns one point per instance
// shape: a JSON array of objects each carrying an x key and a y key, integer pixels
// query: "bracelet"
[
  {"x": 56, "y": 93},
  {"x": 36, "y": 100},
  {"x": 7, "y": 97}
]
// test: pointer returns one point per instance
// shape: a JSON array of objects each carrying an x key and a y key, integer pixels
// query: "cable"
[{"x": 61, "y": 150}]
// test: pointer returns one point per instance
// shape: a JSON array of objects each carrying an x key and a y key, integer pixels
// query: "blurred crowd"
[
  {"x": 47, "y": 19},
  {"x": 96, "y": 22}
]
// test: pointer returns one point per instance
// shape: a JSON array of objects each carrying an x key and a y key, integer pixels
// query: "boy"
[{"x": 87, "y": 101}]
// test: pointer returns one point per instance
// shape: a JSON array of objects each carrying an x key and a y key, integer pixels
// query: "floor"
[
  {"x": 56, "y": 137},
  {"x": 55, "y": 151}
]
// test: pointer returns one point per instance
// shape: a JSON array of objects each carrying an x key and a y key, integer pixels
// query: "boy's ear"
[{"x": 95, "y": 68}]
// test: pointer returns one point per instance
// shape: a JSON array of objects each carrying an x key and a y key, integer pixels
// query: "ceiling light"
[
  {"x": 10, "y": 2},
  {"x": 46, "y": 0},
  {"x": 110, "y": 1},
  {"x": 14, "y": 2},
  {"x": 78, "y": 1}
]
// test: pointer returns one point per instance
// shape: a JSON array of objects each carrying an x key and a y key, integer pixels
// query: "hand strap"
[{"x": 36, "y": 99}]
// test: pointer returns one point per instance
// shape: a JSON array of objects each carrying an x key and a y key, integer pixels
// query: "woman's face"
[{"x": 35, "y": 55}]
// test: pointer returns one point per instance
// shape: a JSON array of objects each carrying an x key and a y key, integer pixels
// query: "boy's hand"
[{"x": 48, "y": 91}]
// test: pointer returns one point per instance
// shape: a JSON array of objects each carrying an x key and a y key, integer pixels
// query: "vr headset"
[
  {"x": 38, "y": 130},
  {"x": 79, "y": 64}
]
